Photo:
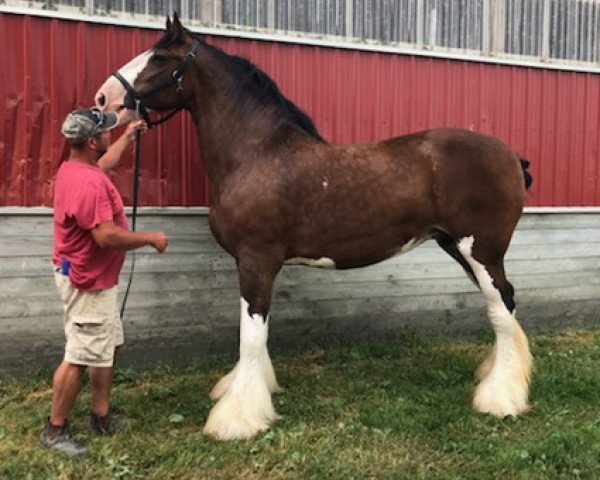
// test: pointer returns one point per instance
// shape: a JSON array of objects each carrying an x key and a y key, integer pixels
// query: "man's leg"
[
  {"x": 101, "y": 380},
  {"x": 65, "y": 388},
  {"x": 66, "y": 382}
]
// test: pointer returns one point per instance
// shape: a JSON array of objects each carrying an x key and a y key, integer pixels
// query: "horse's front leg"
[
  {"x": 225, "y": 382},
  {"x": 245, "y": 406}
]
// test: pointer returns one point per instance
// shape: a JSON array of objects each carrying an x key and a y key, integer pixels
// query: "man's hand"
[
  {"x": 109, "y": 235},
  {"x": 134, "y": 126},
  {"x": 110, "y": 159},
  {"x": 159, "y": 241}
]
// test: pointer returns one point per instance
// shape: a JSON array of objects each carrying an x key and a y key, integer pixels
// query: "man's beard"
[{"x": 100, "y": 152}]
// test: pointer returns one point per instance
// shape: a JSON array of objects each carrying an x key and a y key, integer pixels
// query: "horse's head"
[{"x": 156, "y": 78}]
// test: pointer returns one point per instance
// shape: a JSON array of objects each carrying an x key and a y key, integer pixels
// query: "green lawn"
[{"x": 397, "y": 409}]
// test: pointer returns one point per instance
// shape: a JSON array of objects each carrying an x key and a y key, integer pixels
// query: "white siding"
[{"x": 184, "y": 304}]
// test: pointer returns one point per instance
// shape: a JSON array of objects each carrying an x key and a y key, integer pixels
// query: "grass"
[{"x": 391, "y": 410}]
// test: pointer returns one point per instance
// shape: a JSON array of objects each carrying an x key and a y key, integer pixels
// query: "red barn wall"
[{"x": 51, "y": 66}]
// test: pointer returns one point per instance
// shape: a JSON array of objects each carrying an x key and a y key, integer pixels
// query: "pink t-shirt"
[{"x": 84, "y": 197}]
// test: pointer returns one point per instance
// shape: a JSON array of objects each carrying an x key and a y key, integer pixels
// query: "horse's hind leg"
[
  {"x": 449, "y": 245},
  {"x": 245, "y": 406},
  {"x": 505, "y": 375}
]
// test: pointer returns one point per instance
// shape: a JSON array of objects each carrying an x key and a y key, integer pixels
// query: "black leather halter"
[{"x": 174, "y": 80}]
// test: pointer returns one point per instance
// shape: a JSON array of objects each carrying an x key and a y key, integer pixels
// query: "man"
[{"x": 91, "y": 237}]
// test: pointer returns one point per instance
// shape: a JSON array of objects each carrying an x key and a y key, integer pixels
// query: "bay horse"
[{"x": 281, "y": 194}]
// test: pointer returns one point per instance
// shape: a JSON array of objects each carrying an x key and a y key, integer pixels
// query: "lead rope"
[{"x": 136, "y": 175}]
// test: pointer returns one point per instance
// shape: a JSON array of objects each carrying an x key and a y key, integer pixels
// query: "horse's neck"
[
  {"x": 231, "y": 130},
  {"x": 227, "y": 141}
]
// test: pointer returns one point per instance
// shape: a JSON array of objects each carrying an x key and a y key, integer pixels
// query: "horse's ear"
[
  {"x": 168, "y": 24},
  {"x": 178, "y": 28}
]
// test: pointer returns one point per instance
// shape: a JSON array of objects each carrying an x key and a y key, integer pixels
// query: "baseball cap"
[{"x": 88, "y": 122}]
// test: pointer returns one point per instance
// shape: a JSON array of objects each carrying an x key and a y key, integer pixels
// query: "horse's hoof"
[
  {"x": 226, "y": 424},
  {"x": 500, "y": 401},
  {"x": 245, "y": 408},
  {"x": 228, "y": 432}
]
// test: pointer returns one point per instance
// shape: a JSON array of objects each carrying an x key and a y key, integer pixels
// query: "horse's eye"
[{"x": 159, "y": 59}]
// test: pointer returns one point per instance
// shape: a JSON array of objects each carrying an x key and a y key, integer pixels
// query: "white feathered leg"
[
  {"x": 269, "y": 371},
  {"x": 223, "y": 384},
  {"x": 504, "y": 375},
  {"x": 245, "y": 407},
  {"x": 267, "y": 366}
]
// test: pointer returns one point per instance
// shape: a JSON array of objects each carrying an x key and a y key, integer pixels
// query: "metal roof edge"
[{"x": 308, "y": 40}]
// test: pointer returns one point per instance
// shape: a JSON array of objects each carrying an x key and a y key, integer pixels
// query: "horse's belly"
[
  {"x": 354, "y": 258},
  {"x": 322, "y": 262},
  {"x": 411, "y": 244}
]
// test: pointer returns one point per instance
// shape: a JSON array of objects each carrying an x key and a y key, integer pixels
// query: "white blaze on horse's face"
[{"x": 111, "y": 95}]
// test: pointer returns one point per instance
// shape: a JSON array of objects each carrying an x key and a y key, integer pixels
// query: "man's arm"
[
  {"x": 109, "y": 235},
  {"x": 109, "y": 160}
]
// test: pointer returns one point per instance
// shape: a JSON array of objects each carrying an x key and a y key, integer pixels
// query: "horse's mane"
[
  {"x": 253, "y": 82},
  {"x": 264, "y": 90}
]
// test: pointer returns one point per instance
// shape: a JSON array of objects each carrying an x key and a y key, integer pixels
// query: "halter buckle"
[{"x": 178, "y": 78}]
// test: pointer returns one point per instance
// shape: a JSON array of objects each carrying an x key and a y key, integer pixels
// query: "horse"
[{"x": 281, "y": 194}]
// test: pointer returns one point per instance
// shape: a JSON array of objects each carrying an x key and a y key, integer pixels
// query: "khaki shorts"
[{"x": 93, "y": 326}]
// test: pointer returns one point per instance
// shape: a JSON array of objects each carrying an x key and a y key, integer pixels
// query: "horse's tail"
[{"x": 526, "y": 175}]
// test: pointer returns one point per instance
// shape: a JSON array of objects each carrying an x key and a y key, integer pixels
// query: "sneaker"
[
  {"x": 60, "y": 441},
  {"x": 106, "y": 425}
]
